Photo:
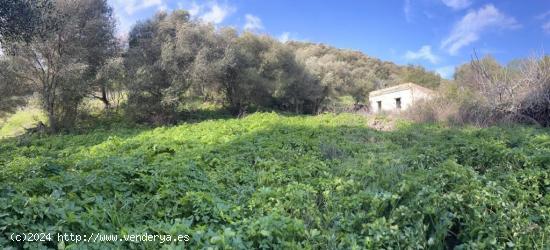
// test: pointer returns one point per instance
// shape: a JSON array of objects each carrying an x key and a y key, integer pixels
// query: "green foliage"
[
  {"x": 16, "y": 124},
  {"x": 172, "y": 57},
  {"x": 10, "y": 89},
  {"x": 270, "y": 181},
  {"x": 420, "y": 76},
  {"x": 466, "y": 74},
  {"x": 158, "y": 65},
  {"x": 61, "y": 64},
  {"x": 346, "y": 72},
  {"x": 23, "y": 19}
]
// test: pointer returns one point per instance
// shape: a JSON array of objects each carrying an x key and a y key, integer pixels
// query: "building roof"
[{"x": 400, "y": 87}]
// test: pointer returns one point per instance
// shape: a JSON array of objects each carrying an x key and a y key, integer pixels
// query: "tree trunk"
[
  {"x": 104, "y": 98},
  {"x": 52, "y": 119}
]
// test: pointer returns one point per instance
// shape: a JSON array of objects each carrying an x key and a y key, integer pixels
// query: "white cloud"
[
  {"x": 121, "y": 10},
  {"x": 545, "y": 18},
  {"x": 543, "y": 15},
  {"x": 285, "y": 37},
  {"x": 194, "y": 9},
  {"x": 407, "y": 10},
  {"x": 253, "y": 23},
  {"x": 216, "y": 13},
  {"x": 126, "y": 11},
  {"x": 133, "y": 6},
  {"x": 123, "y": 27},
  {"x": 446, "y": 72},
  {"x": 163, "y": 7},
  {"x": 546, "y": 27},
  {"x": 457, "y": 4},
  {"x": 291, "y": 36},
  {"x": 207, "y": 11},
  {"x": 424, "y": 53},
  {"x": 470, "y": 27}
]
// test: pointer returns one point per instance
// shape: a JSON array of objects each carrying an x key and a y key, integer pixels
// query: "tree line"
[{"x": 67, "y": 50}]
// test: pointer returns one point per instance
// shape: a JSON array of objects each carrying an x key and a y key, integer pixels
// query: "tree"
[
  {"x": 247, "y": 78},
  {"x": 520, "y": 92},
  {"x": 20, "y": 20},
  {"x": 258, "y": 71},
  {"x": 467, "y": 74},
  {"x": 158, "y": 62},
  {"x": 61, "y": 64},
  {"x": 97, "y": 28},
  {"x": 535, "y": 102},
  {"x": 302, "y": 91},
  {"x": 209, "y": 66},
  {"x": 24, "y": 19},
  {"x": 11, "y": 89},
  {"x": 419, "y": 75},
  {"x": 516, "y": 92},
  {"x": 110, "y": 78}
]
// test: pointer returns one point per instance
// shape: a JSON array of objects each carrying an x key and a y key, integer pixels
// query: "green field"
[{"x": 285, "y": 182}]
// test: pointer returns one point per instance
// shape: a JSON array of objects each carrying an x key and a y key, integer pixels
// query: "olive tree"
[
  {"x": 160, "y": 52},
  {"x": 61, "y": 64},
  {"x": 11, "y": 89},
  {"x": 22, "y": 20}
]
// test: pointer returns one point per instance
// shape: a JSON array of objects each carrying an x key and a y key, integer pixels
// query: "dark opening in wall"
[
  {"x": 398, "y": 103},
  {"x": 379, "y": 105}
]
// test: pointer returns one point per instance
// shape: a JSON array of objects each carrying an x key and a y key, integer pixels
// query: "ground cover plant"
[{"x": 270, "y": 181}]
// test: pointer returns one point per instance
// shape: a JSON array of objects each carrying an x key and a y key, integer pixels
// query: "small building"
[{"x": 399, "y": 97}]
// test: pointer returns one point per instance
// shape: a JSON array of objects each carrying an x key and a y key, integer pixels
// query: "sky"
[{"x": 437, "y": 34}]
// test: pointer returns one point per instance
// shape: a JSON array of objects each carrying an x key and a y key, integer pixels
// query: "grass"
[
  {"x": 16, "y": 123},
  {"x": 283, "y": 182}
]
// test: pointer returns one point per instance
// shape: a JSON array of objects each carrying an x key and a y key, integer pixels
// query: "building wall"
[{"x": 389, "y": 102}]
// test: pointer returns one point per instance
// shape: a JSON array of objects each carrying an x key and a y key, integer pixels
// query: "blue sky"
[{"x": 437, "y": 34}]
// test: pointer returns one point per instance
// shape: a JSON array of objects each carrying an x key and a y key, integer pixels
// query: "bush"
[
  {"x": 535, "y": 105},
  {"x": 452, "y": 105},
  {"x": 485, "y": 94},
  {"x": 514, "y": 93}
]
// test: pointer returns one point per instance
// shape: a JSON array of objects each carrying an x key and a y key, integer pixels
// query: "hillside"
[
  {"x": 360, "y": 69},
  {"x": 355, "y": 74},
  {"x": 287, "y": 182}
]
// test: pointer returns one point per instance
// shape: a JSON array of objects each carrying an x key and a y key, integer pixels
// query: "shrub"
[
  {"x": 485, "y": 93},
  {"x": 452, "y": 105},
  {"x": 515, "y": 93}
]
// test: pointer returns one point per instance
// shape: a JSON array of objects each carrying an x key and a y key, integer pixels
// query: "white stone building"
[{"x": 397, "y": 98}]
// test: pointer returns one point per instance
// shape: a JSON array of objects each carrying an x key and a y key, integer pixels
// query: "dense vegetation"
[
  {"x": 273, "y": 181},
  {"x": 268, "y": 180},
  {"x": 171, "y": 60},
  {"x": 486, "y": 93}
]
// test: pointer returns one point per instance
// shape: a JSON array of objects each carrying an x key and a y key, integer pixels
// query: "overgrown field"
[{"x": 271, "y": 181}]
